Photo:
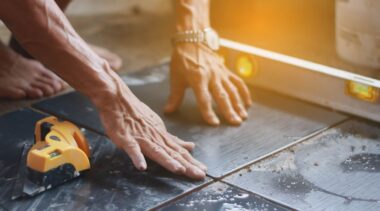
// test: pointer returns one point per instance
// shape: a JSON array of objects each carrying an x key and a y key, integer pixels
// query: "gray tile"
[
  {"x": 112, "y": 183},
  {"x": 275, "y": 121},
  {"x": 219, "y": 196},
  {"x": 336, "y": 170}
]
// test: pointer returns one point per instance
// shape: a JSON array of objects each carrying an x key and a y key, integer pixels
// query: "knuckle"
[
  {"x": 197, "y": 74},
  {"x": 239, "y": 80},
  {"x": 177, "y": 170},
  {"x": 130, "y": 144},
  {"x": 204, "y": 101},
  {"x": 182, "y": 152},
  {"x": 156, "y": 149},
  {"x": 222, "y": 95},
  {"x": 175, "y": 155},
  {"x": 232, "y": 87}
]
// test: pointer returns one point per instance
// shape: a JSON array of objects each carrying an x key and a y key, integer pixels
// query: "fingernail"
[
  {"x": 243, "y": 113},
  {"x": 215, "y": 120},
  {"x": 212, "y": 119},
  {"x": 199, "y": 173},
  {"x": 142, "y": 166},
  {"x": 236, "y": 120},
  {"x": 250, "y": 102}
]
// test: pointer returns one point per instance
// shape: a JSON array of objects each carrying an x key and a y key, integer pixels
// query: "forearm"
[
  {"x": 192, "y": 14},
  {"x": 42, "y": 29}
]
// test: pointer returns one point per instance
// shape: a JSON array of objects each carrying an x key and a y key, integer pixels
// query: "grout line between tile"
[
  {"x": 305, "y": 138},
  {"x": 182, "y": 195},
  {"x": 261, "y": 196}
]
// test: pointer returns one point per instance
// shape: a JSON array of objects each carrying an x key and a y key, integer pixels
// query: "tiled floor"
[
  {"x": 337, "y": 170},
  {"x": 219, "y": 196},
  {"x": 289, "y": 155}
]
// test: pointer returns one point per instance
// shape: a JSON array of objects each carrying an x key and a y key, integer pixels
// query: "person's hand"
[
  {"x": 139, "y": 131},
  {"x": 198, "y": 67}
]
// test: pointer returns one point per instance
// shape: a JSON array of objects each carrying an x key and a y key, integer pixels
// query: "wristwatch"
[{"x": 207, "y": 36}]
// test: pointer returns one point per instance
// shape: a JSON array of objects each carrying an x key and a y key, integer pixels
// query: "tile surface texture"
[
  {"x": 219, "y": 196},
  {"x": 336, "y": 170}
]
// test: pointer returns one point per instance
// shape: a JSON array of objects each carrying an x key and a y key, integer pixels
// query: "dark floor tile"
[
  {"x": 111, "y": 184},
  {"x": 16, "y": 128},
  {"x": 275, "y": 121},
  {"x": 336, "y": 170},
  {"x": 219, "y": 196},
  {"x": 74, "y": 107}
]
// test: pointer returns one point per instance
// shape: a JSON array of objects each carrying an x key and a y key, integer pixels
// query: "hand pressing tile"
[
  {"x": 111, "y": 183},
  {"x": 274, "y": 122}
]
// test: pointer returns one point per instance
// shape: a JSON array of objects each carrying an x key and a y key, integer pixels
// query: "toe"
[
  {"x": 12, "y": 93},
  {"x": 34, "y": 93},
  {"x": 46, "y": 88},
  {"x": 55, "y": 84}
]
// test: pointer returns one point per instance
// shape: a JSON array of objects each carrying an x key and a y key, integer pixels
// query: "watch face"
[{"x": 212, "y": 39}]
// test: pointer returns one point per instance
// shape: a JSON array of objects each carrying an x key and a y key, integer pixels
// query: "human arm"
[
  {"x": 44, "y": 31},
  {"x": 196, "y": 66}
]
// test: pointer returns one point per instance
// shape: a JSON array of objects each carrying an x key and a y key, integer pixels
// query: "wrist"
[
  {"x": 111, "y": 93},
  {"x": 207, "y": 37},
  {"x": 100, "y": 85}
]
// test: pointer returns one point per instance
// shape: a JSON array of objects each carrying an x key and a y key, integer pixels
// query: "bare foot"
[
  {"x": 113, "y": 60},
  {"x": 25, "y": 78}
]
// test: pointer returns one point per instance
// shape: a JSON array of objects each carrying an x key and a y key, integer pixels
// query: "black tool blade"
[
  {"x": 30, "y": 183},
  {"x": 21, "y": 173}
]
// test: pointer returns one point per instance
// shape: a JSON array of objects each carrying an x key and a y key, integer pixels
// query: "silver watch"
[{"x": 207, "y": 36}]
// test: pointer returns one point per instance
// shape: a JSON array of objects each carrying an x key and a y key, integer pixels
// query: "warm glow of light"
[{"x": 245, "y": 66}]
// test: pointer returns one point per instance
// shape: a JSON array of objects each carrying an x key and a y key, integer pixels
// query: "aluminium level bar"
[{"x": 300, "y": 63}]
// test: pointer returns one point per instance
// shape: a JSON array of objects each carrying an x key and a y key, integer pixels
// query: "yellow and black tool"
[{"x": 60, "y": 153}]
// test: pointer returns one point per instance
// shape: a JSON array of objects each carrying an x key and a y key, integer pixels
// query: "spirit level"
[{"x": 317, "y": 83}]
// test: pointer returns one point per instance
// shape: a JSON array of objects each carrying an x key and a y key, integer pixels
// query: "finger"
[
  {"x": 243, "y": 89},
  {"x": 132, "y": 148},
  {"x": 186, "y": 155},
  {"x": 235, "y": 99},
  {"x": 204, "y": 100},
  {"x": 185, "y": 144},
  {"x": 224, "y": 103},
  {"x": 177, "y": 92},
  {"x": 192, "y": 169},
  {"x": 159, "y": 155}
]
